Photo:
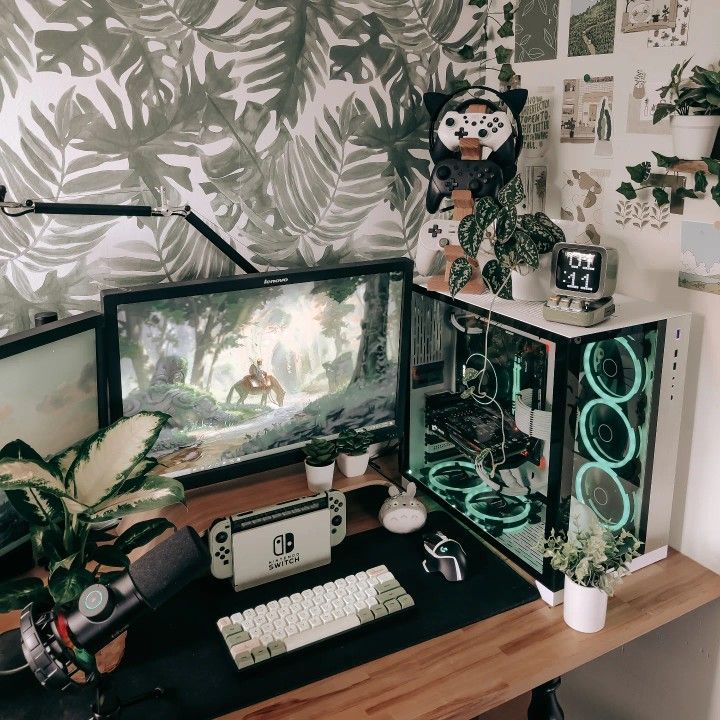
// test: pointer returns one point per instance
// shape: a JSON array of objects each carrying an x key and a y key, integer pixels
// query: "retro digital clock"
[{"x": 583, "y": 281}]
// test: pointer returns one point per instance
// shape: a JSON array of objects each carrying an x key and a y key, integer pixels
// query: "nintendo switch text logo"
[{"x": 283, "y": 547}]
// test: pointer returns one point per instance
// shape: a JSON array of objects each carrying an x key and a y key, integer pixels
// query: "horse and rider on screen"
[{"x": 257, "y": 382}]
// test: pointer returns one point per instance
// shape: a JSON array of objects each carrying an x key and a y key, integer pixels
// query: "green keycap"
[
  {"x": 387, "y": 585},
  {"x": 365, "y": 615},
  {"x": 237, "y": 638},
  {"x": 378, "y": 611},
  {"x": 390, "y": 595},
  {"x": 242, "y": 660},
  {"x": 260, "y": 653},
  {"x": 276, "y": 647},
  {"x": 231, "y": 630},
  {"x": 405, "y": 601},
  {"x": 392, "y": 606}
]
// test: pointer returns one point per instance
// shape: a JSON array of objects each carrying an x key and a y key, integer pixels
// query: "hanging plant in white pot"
[
  {"x": 320, "y": 464},
  {"x": 517, "y": 265},
  {"x": 593, "y": 561},
  {"x": 694, "y": 109}
]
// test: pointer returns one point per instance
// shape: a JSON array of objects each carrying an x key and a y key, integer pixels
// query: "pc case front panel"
[{"x": 453, "y": 432}]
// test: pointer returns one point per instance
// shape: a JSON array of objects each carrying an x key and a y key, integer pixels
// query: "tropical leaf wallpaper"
[{"x": 296, "y": 127}]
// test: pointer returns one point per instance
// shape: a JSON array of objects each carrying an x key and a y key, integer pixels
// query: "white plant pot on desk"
[
  {"x": 584, "y": 608},
  {"x": 320, "y": 477},
  {"x": 529, "y": 284},
  {"x": 694, "y": 135},
  {"x": 353, "y": 465}
]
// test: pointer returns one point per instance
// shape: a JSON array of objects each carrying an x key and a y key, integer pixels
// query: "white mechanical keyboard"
[{"x": 290, "y": 623}]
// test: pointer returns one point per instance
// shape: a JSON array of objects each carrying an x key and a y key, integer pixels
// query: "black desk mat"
[{"x": 180, "y": 648}]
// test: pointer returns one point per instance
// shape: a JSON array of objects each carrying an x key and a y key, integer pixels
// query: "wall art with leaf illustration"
[
  {"x": 536, "y": 30},
  {"x": 298, "y": 128}
]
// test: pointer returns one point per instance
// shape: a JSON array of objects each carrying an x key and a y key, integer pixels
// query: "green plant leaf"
[
  {"x": 479, "y": 3},
  {"x": 142, "y": 533},
  {"x": 156, "y": 492},
  {"x": 627, "y": 191},
  {"x": 65, "y": 584},
  {"x": 509, "y": 11},
  {"x": 513, "y": 193},
  {"x": 662, "y": 111},
  {"x": 527, "y": 250},
  {"x": 686, "y": 193},
  {"x": 107, "y": 458},
  {"x": 109, "y": 556},
  {"x": 47, "y": 543},
  {"x": 715, "y": 193},
  {"x": 639, "y": 173},
  {"x": 545, "y": 236},
  {"x": 16, "y": 594},
  {"x": 460, "y": 273},
  {"x": 38, "y": 475},
  {"x": 507, "y": 73},
  {"x": 506, "y": 224},
  {"x": 701, "y": 181},
  {"x": 506, "y": 30},
  {"x": 666, "y": 161},
  {"x": 507, "y": 254},
  {"x": 503, "y": 54},
  {"x": 496, "y": 278},
  {"x": 713, "y": 165},
  {"x": 469, "y": 236},
  {"x": 661, "y": 196},
  {"x": 486, "y": 211}
]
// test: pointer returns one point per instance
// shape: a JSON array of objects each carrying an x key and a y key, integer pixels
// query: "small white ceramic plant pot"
[
  {"x": 584, "y": 609},
  {"x": 532, "y": 285},
  {"x": 694, "y": 135},
  {"x": 319, "y": 478},
  {"x": 353, "y": 465}
]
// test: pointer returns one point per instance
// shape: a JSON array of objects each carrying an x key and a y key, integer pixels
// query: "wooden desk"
[{"x": 470, "y": 671}]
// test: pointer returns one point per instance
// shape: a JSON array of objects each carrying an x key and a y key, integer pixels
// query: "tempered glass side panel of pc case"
[{"x": 529, "y": 426}]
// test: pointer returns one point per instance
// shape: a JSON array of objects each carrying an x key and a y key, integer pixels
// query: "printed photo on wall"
[
  {"x": 700, "y": 258},
  {"x": 587, "y": 113},
  {"x": 642, "y": 103},
  {"x": 648, "y": 15},
  {"x": 582, "y": 197},
  {"x": 535, "y": 120},
  {"x": 677, "y": 34},
  {"x": 644, "y": 212},
  {"x": 592, "y": 27},
  {"x": 534, "y": 179},
  {"x": 536, "y": 30}
]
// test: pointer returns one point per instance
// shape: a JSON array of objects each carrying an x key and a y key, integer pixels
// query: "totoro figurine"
[{"x": 402, "y": 512}]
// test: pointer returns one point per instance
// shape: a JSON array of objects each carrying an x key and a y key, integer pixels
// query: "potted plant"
[
  {"x": 353, "y": 457},
  {"x": 320, "y": 464},
  {"x": 593, "y": 561},
  {"x": 520, "y": 246},
  {"x": 694, "y": 107},
  {"x": 66, "y": 497}
]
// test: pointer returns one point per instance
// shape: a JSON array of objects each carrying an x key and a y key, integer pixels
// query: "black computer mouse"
[{"x": 444, "y": 555}]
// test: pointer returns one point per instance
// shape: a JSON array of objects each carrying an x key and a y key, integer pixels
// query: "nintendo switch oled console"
[{"x": 266, "y": 544}]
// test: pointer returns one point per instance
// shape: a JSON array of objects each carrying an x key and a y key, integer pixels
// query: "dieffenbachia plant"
[
  {"x": 517, "y": 240},
  {"x": 106, "y": 476},
  {"x": 640, "y": 174}
]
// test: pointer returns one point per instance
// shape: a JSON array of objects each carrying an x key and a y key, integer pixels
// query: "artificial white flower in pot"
[
  {"x": 593, "y": 561},
  {"x": 320, "y": 464},
  {"x": 353, "y": 452}
]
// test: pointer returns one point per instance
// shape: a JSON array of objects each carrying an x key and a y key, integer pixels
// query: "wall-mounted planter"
[{"x": 694, "y": 135}]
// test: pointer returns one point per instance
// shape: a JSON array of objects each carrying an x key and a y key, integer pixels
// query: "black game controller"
[{"x": 483, "y": 178}]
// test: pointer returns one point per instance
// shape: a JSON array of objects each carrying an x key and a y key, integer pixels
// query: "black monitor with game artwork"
[{"x": 251, "y": 368}]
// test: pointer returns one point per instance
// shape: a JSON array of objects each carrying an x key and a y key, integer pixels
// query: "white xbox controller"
[
  {"x": 220, "y": 532},
  {"x": 434, "y": 235},
  {"x": 493, "y": 130}
]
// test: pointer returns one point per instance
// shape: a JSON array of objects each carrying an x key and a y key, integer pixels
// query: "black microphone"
[{"x": 51, "y": 639}]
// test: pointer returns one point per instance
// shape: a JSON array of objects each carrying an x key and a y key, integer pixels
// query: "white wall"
[{"x": 674, "y": 672}]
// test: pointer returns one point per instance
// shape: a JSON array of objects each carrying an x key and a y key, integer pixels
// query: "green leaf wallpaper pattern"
[{"x": 297, "y": 128}]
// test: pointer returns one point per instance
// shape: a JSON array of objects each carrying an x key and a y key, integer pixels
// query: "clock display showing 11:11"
[{"x": 578, "y": 271}]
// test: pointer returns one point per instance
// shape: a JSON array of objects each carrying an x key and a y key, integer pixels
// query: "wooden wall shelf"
[{"x": 690, "y": 166}]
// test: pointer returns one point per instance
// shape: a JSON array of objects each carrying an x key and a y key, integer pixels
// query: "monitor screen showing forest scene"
[{"x": 249, "y": 373}]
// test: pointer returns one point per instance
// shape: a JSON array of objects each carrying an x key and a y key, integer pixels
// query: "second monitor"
[{"x": 251, "y": 368}]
